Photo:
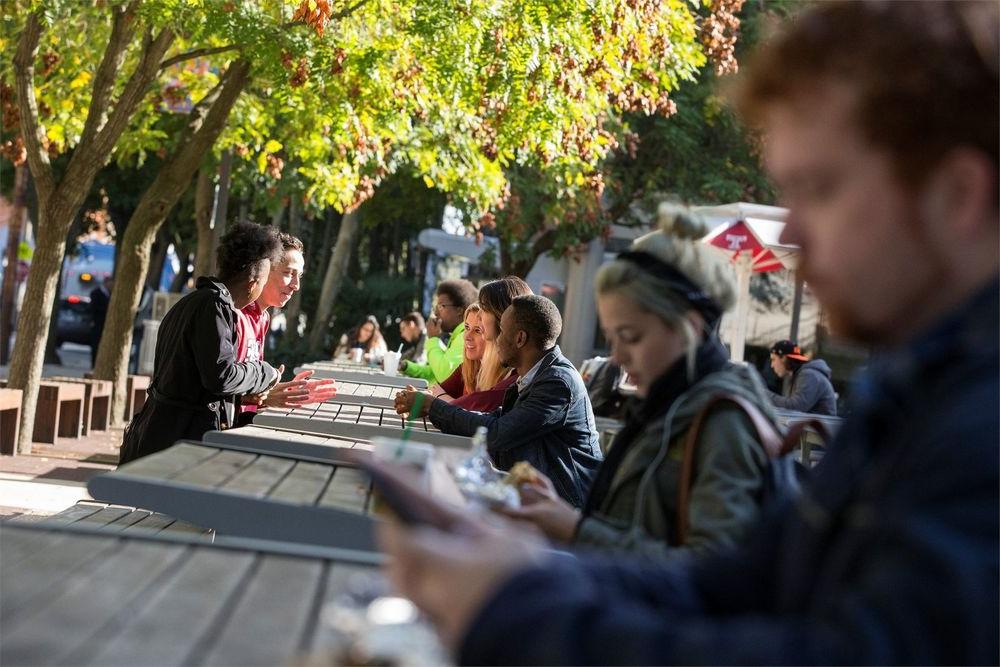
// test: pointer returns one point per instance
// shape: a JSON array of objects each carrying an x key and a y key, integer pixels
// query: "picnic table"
[
  {"x": 354, "y": 421},
  {"x": 79, "y": 597},
  {"x": 96, "y": 402}
]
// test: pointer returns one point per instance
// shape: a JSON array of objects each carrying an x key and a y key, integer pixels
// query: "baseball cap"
[{"x": 788, "y": 348}]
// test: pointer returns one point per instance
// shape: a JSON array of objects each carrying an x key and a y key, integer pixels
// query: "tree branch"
[
  {"x": 344, "y": 13},
  {"x": 135, "y": 89},
  {"x": 196, "y": 53},
  {"x": 122, "y": 32},
  {"x": 27, "y": 107}
]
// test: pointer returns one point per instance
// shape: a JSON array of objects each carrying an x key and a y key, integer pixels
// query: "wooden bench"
[
  {"x": 58, "y": 410},
  {"x": 276, "y": 496},
  {"x": 357, "y": 422},
  {"x": 810, "y": 442},
  {"x": 96, "y": 402},
  {"x": 10, "y": 420},
  {"x": 119, "y": 518},
  {"x": 135, "y": 391},
  {"x": 90, "y": 597}
]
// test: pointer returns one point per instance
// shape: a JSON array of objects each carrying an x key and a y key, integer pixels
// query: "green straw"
[{"x": 418, "y": 403}]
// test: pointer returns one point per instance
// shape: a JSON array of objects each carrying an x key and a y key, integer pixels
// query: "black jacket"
[
  {"x": 550, "y": 425},
  {"x": 196, "y": 377}
]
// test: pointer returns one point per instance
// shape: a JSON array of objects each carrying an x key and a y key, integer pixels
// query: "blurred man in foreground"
[{"x": 880, "y": 129}]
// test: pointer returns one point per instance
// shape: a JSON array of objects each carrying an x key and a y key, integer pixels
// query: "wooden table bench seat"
[
  {"x": 119, "y": 518},
  {"x": 10, "y": 419},
  {"x": 73, "y": 597},
  {"x": 58, "y": 410},
  {"x": 96, "y": 402}
]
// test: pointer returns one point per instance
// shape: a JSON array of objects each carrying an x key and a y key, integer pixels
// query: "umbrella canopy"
[{"x": 750, "y": 234}]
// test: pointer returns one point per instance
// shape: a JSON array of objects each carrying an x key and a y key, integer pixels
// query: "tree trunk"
[
  {"x": 332, "y": 281},
  {"x": 208, "y": 118},
  {"x": 59, "y": 200},
  {"x": 204, "y": 260},
  {"x": 17, "y": 219},
  {"x": 157, "y": 260},
  {"x": 33, "y": 324}
]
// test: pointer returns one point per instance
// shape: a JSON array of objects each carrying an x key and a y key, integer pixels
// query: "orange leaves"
[
  {"x": 718, "y": 35},
  {"x": 315, "y": 13}
]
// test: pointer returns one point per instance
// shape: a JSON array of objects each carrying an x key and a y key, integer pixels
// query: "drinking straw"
[
  {"x": 400, "y": 350},
  {"x": 417, "y": 404}
]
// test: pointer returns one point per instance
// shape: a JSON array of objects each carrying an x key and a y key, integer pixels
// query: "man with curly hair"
[{"x": 196, "y": 375}]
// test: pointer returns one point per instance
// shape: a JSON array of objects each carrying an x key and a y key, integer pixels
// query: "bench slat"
[
  {"x": 304, "y": 483},
  {"x": 287, "y": 589},
  {"x": 190, "y": 604},
  {"x": 262, "y": 475}
]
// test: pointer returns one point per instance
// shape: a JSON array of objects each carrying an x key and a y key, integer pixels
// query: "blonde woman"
[{"x": 659, "y": 305}]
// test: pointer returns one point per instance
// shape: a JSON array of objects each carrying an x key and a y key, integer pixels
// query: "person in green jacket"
[
  {"x": 660, "y": 305},
  {"x": 451, "y": 297}
]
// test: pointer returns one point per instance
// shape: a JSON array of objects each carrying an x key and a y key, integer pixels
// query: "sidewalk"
[{"x": 54, "y": 477}]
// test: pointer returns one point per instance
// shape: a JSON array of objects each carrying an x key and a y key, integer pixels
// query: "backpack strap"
[{"x": 767, "y": 435}]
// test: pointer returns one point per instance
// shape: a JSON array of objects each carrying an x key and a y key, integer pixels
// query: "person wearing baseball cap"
[{"x": 810, "y": 389}]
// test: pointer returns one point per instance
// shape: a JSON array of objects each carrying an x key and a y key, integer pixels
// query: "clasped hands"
[
  {"x": 300, "y": 390},
  {"x": 406, "y": 398}
]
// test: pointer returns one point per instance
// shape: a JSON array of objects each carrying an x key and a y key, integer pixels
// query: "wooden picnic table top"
[
  {"x": 243, "y": 491},
  {"x": 73, "y": 597}
]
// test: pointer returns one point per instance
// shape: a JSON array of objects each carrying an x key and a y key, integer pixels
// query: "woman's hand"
[
  {"x": 542, "y": 507},
  {"x": 406, "y": 398},
  {"x": 451, "y": 576}
]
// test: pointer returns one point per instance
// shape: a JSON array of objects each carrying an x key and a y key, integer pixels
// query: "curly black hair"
[
  {"x": 243, "y": 250},
  {"x": 538, "y": 317},
  {"x": 460, "y": 291}
]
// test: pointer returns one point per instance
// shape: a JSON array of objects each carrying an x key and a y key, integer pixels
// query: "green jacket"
[
  {"x": 729, "y": 476},
  {"x": 441, "y": 361}
]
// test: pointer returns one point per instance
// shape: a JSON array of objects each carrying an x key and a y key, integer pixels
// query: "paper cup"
[
  {"x": 357, "y": 354},
  {"x": 390, "y": 362}
]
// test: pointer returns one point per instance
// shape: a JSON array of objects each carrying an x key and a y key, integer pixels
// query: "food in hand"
[{"x": 523, "y": 473}]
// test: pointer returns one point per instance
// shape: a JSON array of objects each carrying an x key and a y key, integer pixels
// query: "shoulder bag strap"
[{"x": 767, "y": 435}]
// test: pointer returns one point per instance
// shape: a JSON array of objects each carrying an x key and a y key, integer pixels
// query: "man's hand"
[
  {"x": 450, "y": 576},
  {"x": 406, "y": 398},
  {"x": 433, "y": 327}
]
